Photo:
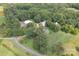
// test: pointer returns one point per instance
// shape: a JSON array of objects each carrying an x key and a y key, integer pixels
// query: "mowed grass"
[{"x": 7, "y": 48}]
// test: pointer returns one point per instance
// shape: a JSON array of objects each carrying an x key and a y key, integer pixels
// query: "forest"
[{"x": 53, "y": 28}]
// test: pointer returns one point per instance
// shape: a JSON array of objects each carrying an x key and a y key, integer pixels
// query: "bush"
[{"x": 77, "y": 48}]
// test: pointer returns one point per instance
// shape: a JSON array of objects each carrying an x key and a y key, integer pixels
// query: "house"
[{"x": 24, "y": 24}]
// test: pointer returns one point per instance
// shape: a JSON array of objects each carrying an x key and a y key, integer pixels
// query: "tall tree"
[{"x": 40, "y": 41}]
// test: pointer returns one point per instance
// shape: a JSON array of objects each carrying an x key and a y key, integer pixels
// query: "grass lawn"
[{"x": 5, "y": 52}]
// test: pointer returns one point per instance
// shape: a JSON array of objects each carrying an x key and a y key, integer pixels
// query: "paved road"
[{"x": 25, "y": 49}]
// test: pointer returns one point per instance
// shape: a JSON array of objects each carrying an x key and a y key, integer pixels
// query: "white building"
[
  {"x": 27, "y": 21},
  {"x": 24, "y": 23}
]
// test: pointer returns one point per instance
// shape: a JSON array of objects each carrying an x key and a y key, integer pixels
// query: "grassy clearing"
[
  {"x": 70, "y": 46},
  {"x": 5, "y": 52}
]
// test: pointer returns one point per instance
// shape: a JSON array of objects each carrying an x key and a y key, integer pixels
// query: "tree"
[
  {"x": 29, "y": 30},
  {"x": 57, "y": 49},
  {"x": 69, "y": 29},
  {"x": 12, "y": 27},
  {"x": 54, "y": 27},
  {"x": 40, "y": 41},
  {"x": 37, "y": 18},
  {"x": 23, "y": 15},
  {"x": 12, "y": 23},
  {"x": 39, "y": 37}
]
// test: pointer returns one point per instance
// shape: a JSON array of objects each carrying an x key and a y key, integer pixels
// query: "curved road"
[{"x": 25, "y": 49}]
